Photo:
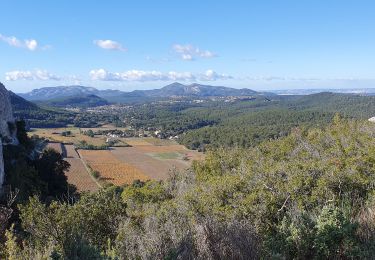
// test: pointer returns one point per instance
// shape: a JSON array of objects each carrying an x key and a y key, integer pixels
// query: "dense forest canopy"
[{"x": 247, "y": 123}]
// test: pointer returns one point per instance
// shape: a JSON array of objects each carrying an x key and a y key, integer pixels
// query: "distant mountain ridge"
[
  {"x": 48, "y": 93},
  {"x": 192, "y": 90},
  {"x": 171, "y": 90}
]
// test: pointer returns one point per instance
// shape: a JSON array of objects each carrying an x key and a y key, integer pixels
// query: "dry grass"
[
  {"x": 135, "y": 141},
  {"x": 158, "y": 142},
  {"x": 53, "y": 134},
  {"x": 163, "y": 149},
  {"x": 110, "y": 168},
  {"x": 104, "y": 127}
]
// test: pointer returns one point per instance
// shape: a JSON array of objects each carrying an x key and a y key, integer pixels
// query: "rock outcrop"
[{"x": 7, "y": 126}]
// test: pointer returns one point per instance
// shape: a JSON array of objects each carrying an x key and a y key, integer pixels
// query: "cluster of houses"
[
  {"x": 113, "y": 136},
  {"x": 159, "y": 134}
]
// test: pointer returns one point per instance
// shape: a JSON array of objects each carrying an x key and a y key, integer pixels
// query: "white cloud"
[
  {"x": 186, "y": 56},
  {"x": 29, "y": 44},
  {"x": 109, "y": 45},
  {"x": 190, "y": 52},
  {"x": 211, "y": 75},
  {"x": 140, "y": 75},
  {"x": 30, "y": 75}
]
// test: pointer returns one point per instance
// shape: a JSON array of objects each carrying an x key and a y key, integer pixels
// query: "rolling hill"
[
  {"x": 192, "y": 90},
  {"x": 83, "y": 101},
  {"x": 169, "y": 91},
  {"x": 37, "y": 116},
  {"x": 19, "y": 103},
  {"x": 49, "y": 93}
]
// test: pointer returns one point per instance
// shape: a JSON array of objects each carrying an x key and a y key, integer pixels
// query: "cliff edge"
[{"x": 7, "y": 126}]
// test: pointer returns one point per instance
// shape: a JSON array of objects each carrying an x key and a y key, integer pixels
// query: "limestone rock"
[{"x": 7, "y": 126}]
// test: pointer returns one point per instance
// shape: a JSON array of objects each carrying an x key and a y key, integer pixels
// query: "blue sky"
[{"x": 129, "y": 45}]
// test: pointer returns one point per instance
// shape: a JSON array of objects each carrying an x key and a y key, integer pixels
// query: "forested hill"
[
  {"x": 347, "y": 104},
  {"x": 19, "y": 103},
  {"x": 80, "y": 101},
  {"x": 246, "y": 123},
  {"x": 36, "y": 116}
]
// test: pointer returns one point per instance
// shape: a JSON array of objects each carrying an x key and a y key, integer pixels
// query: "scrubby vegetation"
[
  {"x": 309, "y": 195},
  {"x": 31, "y": 169},
  {"x": 86, "y": 146}
]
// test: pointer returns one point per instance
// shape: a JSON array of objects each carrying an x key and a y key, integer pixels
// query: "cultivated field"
[
  {"x": 55, "y": 146},
  {"x": 123, "y": 165},
  {"x": 148, "y": 158},
  {"x": 136, "y": 141},
  {"x": 78, "y": 176},
  {"x": 70, "y": 151},
  {"x": 153, "y": 167},
  {"x": 158, "y": 142},
  {"x": 110, "y": 168}
]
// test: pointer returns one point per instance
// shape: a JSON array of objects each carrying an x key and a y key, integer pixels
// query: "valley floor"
[{"x": 145, "y": 159}]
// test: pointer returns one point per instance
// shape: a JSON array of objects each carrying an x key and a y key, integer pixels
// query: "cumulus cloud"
[
  {"x": 211, "y": 75},
  {"x": 29, "y": 44},
  {"x": 109, "y": 45},
  {"x": 190, "y": 52},
  {"x": 30, "y": 75},
  {"x": 140, "y": 75}
]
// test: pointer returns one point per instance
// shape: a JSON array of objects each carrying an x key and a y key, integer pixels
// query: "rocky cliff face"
[{"x": 7, "y": 126}]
